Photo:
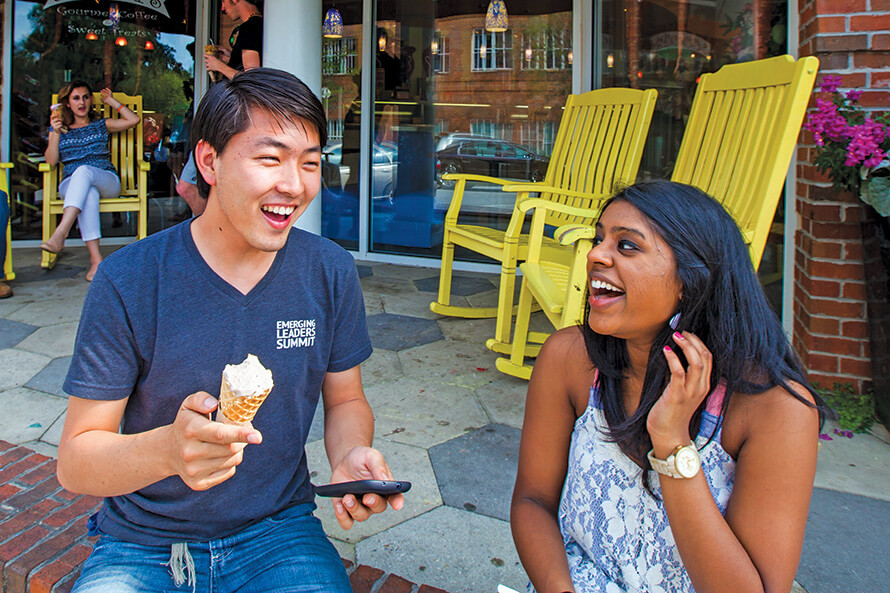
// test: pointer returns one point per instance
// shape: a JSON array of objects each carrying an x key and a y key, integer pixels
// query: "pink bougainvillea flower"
[{"x": 830, "y": 83}]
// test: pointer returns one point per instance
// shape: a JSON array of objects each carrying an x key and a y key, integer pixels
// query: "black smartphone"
[{"x": 381, "y": 487}]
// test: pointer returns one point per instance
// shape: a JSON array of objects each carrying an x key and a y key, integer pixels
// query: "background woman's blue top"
[{"x": 86, "y": 146}]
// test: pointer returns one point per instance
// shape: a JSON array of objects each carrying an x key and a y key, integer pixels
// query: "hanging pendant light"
[
  {"x": 333, "y": 24},
  {"x": 114, "y": 15},
  {"x": 496, "y": 16},
  {"x": 121, "y": 41},
  {"x": 149, "y": 45},
  {"x": 92, "y": 36}
]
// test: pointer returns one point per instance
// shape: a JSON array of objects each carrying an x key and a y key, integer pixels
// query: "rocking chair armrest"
[
  {"x": 526, "y": 188},
  {"x": 531, "y": 203},
  {"x": 460, "y": 183},
  {"x": 45, "y": 167},
  {"x": 571, "y": 233},
  {"x": 144, "y": 166},
  {"x": 471, "y": 177},
  {"x": 6, "y": 165}
]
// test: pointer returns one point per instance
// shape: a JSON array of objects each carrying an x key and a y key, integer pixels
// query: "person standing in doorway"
[{"x": 246, "y": 53}]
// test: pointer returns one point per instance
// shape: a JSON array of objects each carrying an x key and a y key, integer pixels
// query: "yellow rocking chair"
[
  {"x": 8, "y": 273},
  {"x": 598, "y": 147},
  {"x": 737, "y": 146},
  {"x": 126, "y": 156}
]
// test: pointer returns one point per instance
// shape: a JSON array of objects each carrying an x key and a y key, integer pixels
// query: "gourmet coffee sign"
[{"x": 154, "y": 5}]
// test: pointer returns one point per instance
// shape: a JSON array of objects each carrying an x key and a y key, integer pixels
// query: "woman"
[
  {"x": 681, "y": 362},
  {"x": 80, "y": 141}
]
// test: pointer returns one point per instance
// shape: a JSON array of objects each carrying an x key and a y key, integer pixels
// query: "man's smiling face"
[{"x": 263, "y": 180}]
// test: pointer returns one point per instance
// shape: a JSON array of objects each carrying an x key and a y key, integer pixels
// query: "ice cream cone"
[
  {"x": 244, "y": 389},
  {"x": 55, "y": 108},
  {"x": 240, "y": 409}
]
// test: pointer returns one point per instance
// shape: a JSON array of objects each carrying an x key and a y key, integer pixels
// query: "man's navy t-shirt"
[{"x": 158, "y": 325}]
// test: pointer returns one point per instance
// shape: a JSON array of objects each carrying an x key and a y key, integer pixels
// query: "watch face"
[{"x": 687, "y": 462}]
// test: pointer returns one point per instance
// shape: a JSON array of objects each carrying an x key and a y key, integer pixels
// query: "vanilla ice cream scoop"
[{"x": 244, "y": 388}]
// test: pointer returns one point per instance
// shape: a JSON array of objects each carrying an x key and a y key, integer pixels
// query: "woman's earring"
[{"x": 674, "y": 321}]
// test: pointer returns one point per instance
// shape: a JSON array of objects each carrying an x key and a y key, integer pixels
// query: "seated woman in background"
[
  {"x": 670, "y": 442},
  {"x": 80, "y": 141}
]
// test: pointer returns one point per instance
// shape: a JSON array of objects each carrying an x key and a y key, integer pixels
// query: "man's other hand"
[{"x": 362, "y": 463}]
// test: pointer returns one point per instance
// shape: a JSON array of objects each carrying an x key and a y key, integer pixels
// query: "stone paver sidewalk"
[{"x": 446, "y": 420}]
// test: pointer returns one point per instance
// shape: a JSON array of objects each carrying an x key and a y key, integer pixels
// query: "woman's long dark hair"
[
  {"x": 65, "y": 92},
  {"x": 722, "y": 303}
]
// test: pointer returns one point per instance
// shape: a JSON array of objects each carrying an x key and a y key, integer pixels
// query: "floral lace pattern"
[{"x": 616, "y": 534}]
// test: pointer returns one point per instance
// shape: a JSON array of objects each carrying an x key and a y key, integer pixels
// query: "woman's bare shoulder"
[
  {"x": 775, "y": 410},
  {"x": 563, "y": 365}
]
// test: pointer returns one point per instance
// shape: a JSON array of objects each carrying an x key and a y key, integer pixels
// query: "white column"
[{"x": 292, "y": 42}]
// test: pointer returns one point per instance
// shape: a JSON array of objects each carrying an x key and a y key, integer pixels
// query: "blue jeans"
[{"x": 287, "y": 552}]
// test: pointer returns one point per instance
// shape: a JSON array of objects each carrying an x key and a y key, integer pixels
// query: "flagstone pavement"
[{"x": 446, "y": 420}]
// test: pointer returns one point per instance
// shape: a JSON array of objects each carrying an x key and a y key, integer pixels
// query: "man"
[
  {"x": 246, "y": 39},
  {"x": 247, "y": 52},
  {"x": 183, "y": 490}
]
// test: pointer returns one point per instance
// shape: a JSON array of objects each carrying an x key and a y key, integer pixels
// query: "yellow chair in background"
[
  {"x": 8, "y": 273},
  {"x": 598, "y": 147},
  {"x": 737, "y": 146},
  {"x": 126, "y": 156},
  {"x": 741, "y": 135}
]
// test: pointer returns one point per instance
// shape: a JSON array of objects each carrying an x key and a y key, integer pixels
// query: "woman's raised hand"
[
  {"x": 55, "y": 120},
  {"x": 106, "y": 96},
  {"x": 668, "y": 420}
]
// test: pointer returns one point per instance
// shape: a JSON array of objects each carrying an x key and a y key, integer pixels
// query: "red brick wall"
[{"x": 851, "y": 38}]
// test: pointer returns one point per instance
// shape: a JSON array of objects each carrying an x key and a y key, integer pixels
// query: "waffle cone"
[{"x": 240, "y": 409}]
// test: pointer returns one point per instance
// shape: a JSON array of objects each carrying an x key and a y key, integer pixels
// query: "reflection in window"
[
  {"x": 492, "y": 50},
  {"x": 491, "y": 129},
  {"x": 339, "y": 56},
  {"x": 335, "y": 130},
  {"x": 441, "y": 55},
  {"x": 538, "y": 135},
  {"x": 547, "y": 50}
]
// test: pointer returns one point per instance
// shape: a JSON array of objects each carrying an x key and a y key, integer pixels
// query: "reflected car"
[
  {"x": 384, "y": 168},
  {"x": 446, "y": 141},
  {"x": 491, "y": 157}
]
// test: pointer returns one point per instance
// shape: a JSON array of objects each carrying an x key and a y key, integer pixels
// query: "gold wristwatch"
[{"x": 683, "y": 462}]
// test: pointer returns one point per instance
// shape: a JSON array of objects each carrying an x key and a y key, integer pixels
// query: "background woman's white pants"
[{"x": 83, "y": 189}]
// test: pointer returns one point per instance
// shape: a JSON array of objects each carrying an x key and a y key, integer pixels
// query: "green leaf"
[{"x": 876, "y": 192}]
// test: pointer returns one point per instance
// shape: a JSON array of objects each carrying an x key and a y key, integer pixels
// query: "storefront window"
[
  {"x": 341, "y": 95},
  {"x": 452, "y": 97},
  {"x": 668, "y": 45},
  {"x": 137, "y": 48}
]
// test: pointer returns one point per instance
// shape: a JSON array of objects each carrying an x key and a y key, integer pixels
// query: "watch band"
[{"x": 683, "y": 462}]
